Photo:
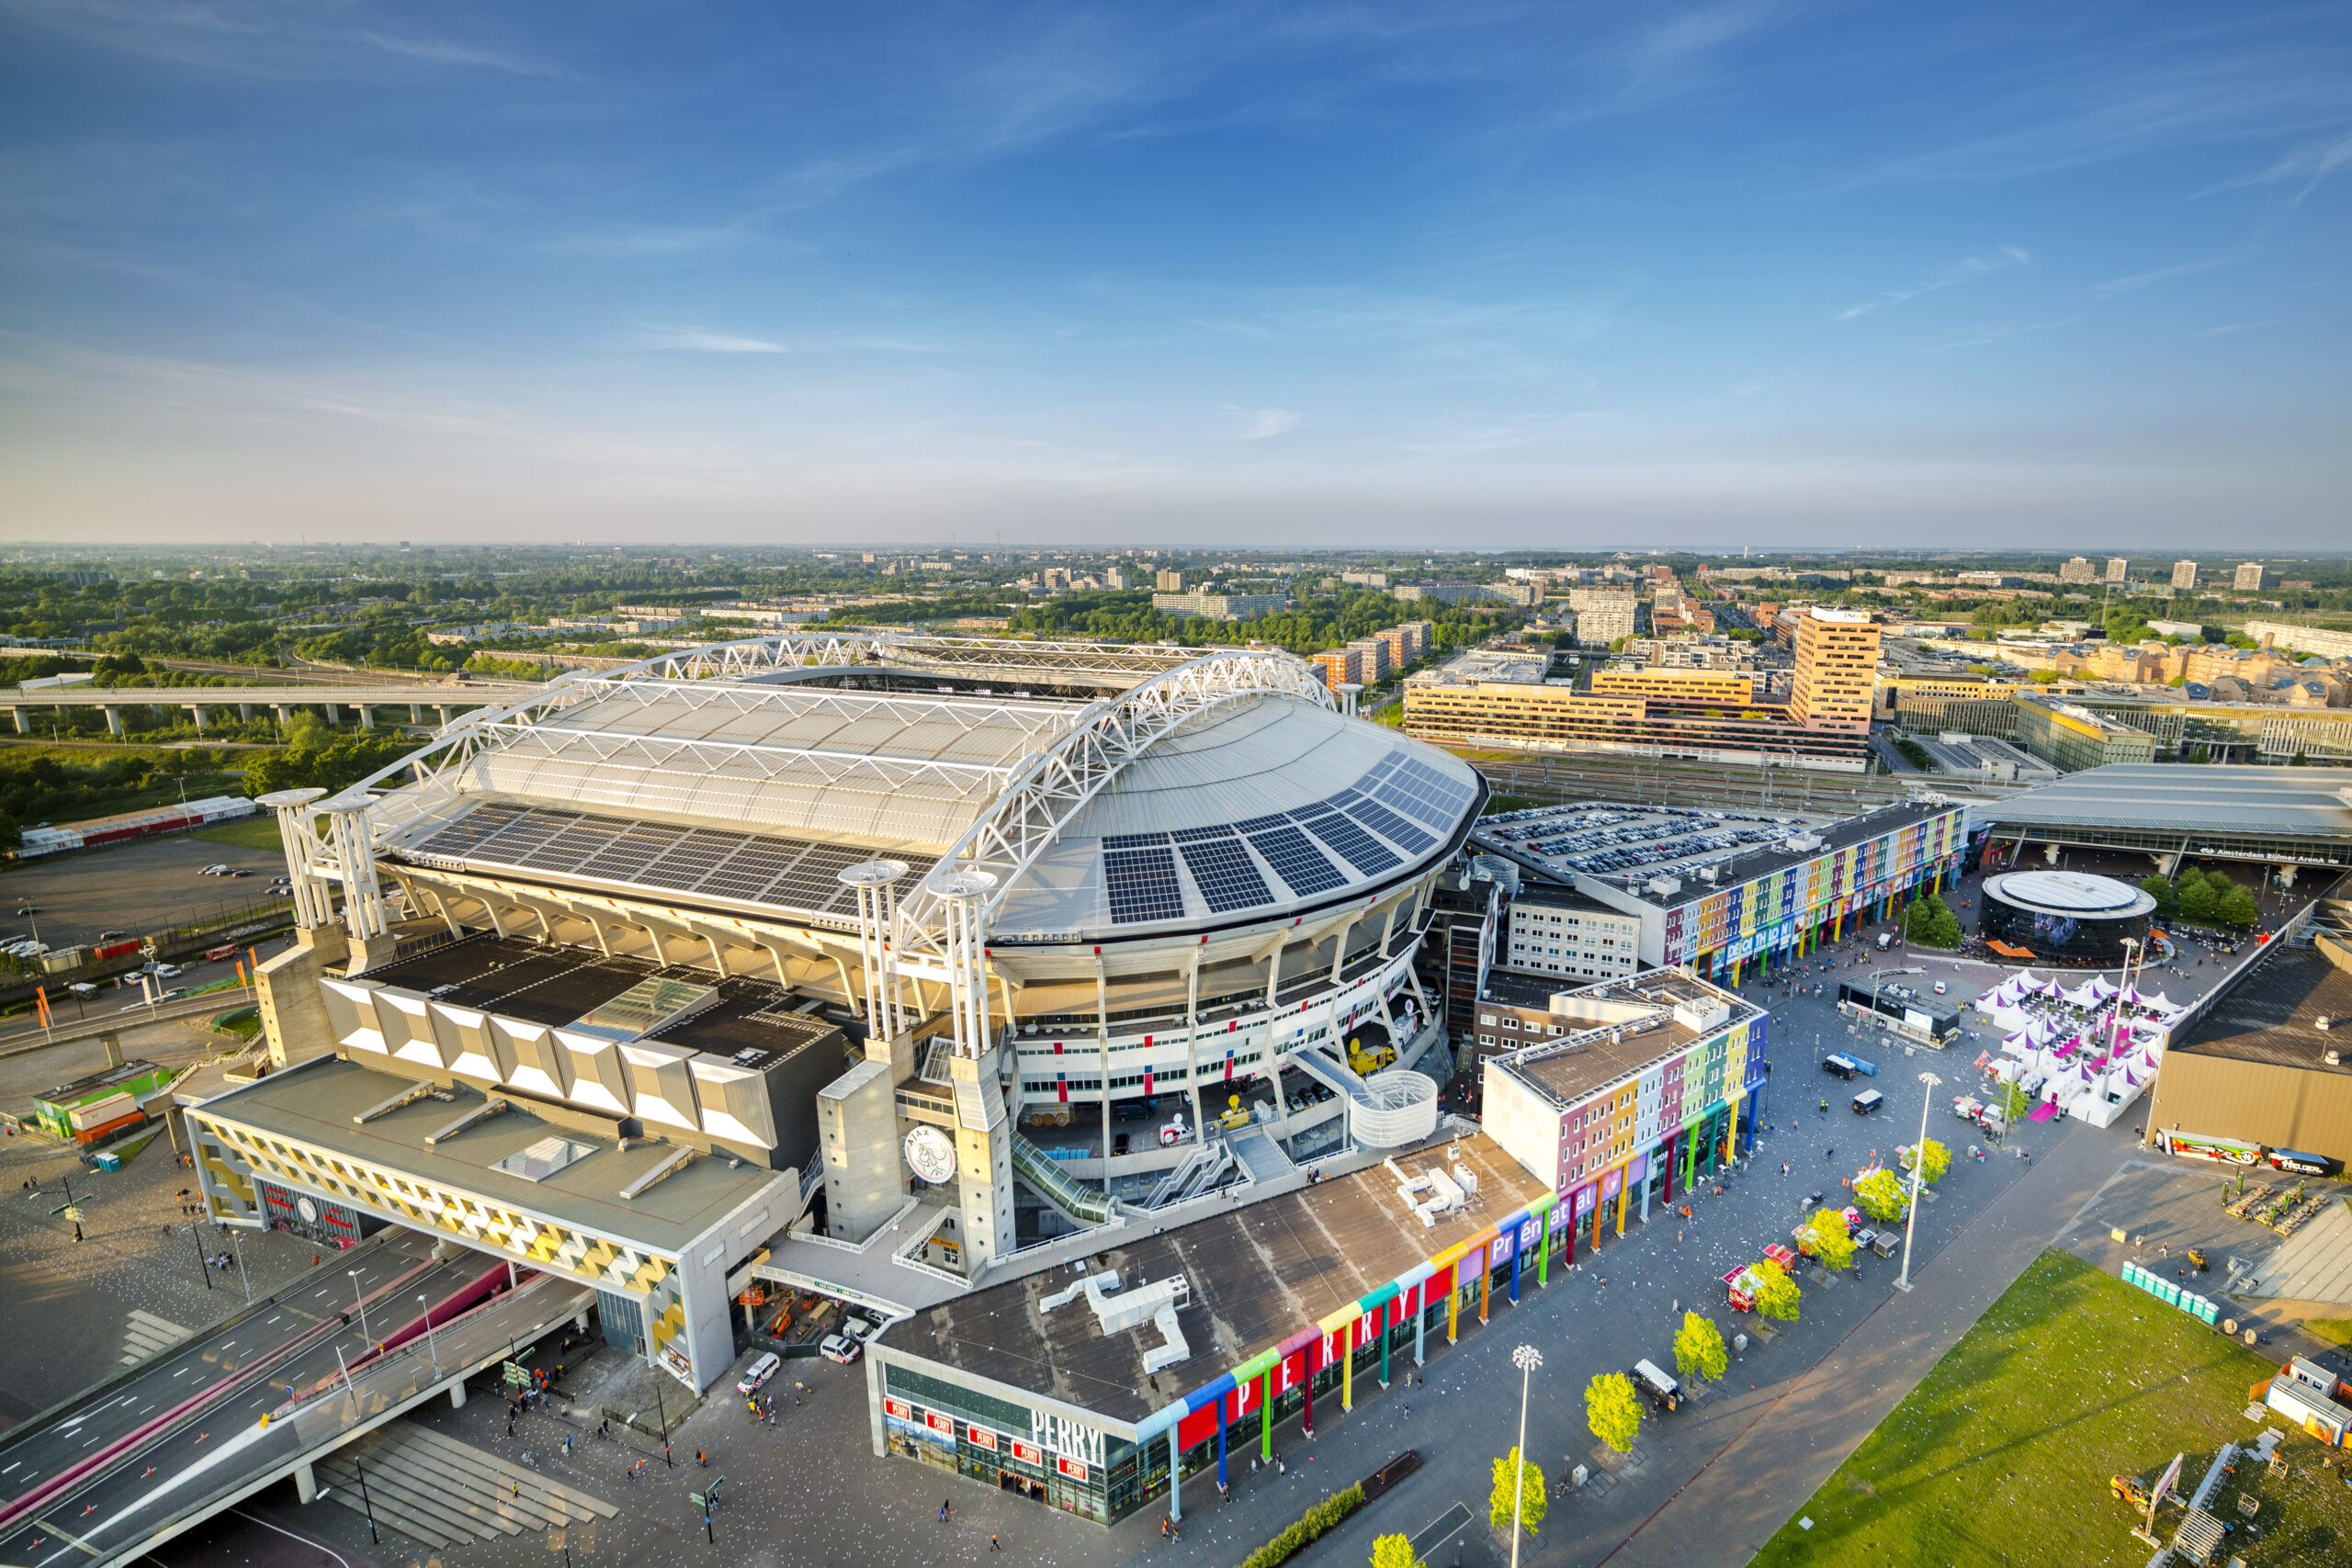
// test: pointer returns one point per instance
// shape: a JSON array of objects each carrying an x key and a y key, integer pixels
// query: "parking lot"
[{"x": 135, "y": 889}]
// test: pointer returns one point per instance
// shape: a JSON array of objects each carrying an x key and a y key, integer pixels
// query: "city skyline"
[{"x": 1510, "y": 278}]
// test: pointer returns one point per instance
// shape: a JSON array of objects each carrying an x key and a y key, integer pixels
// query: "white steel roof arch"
[{"x": 1058, "y": 782}]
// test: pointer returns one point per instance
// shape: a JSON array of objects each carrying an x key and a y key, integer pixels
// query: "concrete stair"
[{"x": 442, "y": 1493}]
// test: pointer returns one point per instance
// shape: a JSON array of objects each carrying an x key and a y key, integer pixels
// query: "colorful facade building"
[{"x": 1716, "y": 895}]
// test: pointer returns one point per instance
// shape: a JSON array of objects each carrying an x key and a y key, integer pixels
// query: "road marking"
[{"x": 68, "y": 1537}]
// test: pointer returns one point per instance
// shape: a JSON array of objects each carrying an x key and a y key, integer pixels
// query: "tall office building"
[
  {"x": 2183, "y": 574},
  {"x": 2119, "y": 568},
  {"x": 2076, "y": 569},
  {"x": 1168, "y": 581},
  {"x": 1837, "y": 665},
  {"x": 2249, "y": 575}
]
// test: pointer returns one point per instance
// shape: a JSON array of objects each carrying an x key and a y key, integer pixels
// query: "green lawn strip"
[
  {"x": 2334, "y": 1330},
  {"x": 256, "y": 832},
  {"x": 2002, "y": 1454}
]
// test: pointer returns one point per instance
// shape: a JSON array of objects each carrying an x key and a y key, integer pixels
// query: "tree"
[
  {"x": 1776, "y": 1294},
  {"x": 2013, "y": 1102},
  {"x": 1531, "y": 1484},
  {"x": 2199, "y": 900},
  {"x": 1394, "y": 1551},
  {"x": 1614, "y": 1411},
  {"x": 1698, "y": 1349},
  {"x": 11, "y": 832},
  {"x": 1935, "y": 1160},
  {"x": 1832, "y": 1242},
  {"x": 1880, "y": 1195},
  {"x": 2159, "y": 890},
  {"x": 2237, "y": 908}
]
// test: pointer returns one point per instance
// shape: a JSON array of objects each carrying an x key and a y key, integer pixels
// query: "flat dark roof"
[
  {"x": 1568, "y": 1071},
  {"x": 314, "y": 1103},
  {"x": 1554, "y": 896},
  {"x": 2271, "y": 1015},
  {"x": 2198, "y": 802},
  {"x": 1258, "y": 1274}
]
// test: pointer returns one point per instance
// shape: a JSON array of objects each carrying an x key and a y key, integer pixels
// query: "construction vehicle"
[
  {"x": 2197, "y": 1260},
  {"x": 1367, "y": 1062}
]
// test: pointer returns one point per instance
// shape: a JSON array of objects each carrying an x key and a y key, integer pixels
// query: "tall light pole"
[
  {"x": 369, "y": 1338},
  {"x": 1918, "y": 1173},
  {"x": 429, "y": 1342},
  {"x": 1526, "y": 1359}
]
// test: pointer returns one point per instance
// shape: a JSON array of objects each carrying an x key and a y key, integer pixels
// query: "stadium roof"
[
  {"x": 2303, "y": 803},
  {"x": 1222, "y": 790}
]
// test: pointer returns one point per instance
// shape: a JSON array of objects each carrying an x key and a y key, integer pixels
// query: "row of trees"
[{"x": 2205, "y": 897}]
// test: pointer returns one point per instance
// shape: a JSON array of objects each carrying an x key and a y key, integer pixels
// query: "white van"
[
  {"x": 1659, "y": 1388},
  {"x": 1870, "y": 1100}
]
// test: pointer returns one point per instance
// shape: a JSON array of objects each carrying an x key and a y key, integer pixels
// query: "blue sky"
[{"x": 1469, "y": 275}]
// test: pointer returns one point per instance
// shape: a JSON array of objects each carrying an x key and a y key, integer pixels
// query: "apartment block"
[
  {"x": 1837, "y": 664},
  {"x": 1340, "y": 665},
  {"x": 2249, "y": 575},
  {"x": 1604, "y": 614},
  {"x": 1169, "y": 580},
  {"x": 2119, "y": 568},
  {"x": 2076, "y": 569},
  {"x": 2183, "y": 574},
  {"x": 1557, "y": 931}
]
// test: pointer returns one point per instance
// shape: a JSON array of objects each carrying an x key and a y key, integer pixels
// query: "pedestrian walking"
[
  {"x": 702, "y": 1460},
  {"x": 995, "y": 1545},
  {"x": 945, "y": 1509}
]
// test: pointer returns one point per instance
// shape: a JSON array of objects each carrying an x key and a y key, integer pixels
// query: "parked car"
[
  {"x": 839, "y": 1347},
  {"x": 757, "y": 1374},
  {"x": 1656, "y": 1387},
  {"x": 860, "y": 1329},
  {"x": 216, "y": 869},
  {"x": 1939, "y": 987}
]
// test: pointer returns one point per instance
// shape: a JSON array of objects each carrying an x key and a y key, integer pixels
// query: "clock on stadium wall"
[{"x": 931, "y": 1156}]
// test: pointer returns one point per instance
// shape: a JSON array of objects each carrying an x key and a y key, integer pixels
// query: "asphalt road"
[{"x": 119, "y": 1503}]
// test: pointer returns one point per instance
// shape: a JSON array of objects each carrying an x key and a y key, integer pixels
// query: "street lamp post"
[
  {"x": 364, "y": 1336},
  {"x": 1526, "y": 1359},
  {"x": 1919, "y": 1174},
  {"x": 430, "y": 1343}
]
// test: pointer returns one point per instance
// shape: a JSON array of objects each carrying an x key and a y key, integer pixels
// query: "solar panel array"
[
  {"x": 1139, "y": 868},
  {"x": 1139, "y": 874},
  {"x": 751, "y": 868},
  {"x": 1221, "y": 869}
]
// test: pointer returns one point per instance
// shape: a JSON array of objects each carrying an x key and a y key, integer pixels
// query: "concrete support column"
[
  {"x": 306, "y": 1483},
  {"x": 277, "y": 712},
  {"x": 114, "y": 720},
  {"x": 367, "y": 716},
  {"x": 333, "y": 718},
  {"x": 416, "y": 713},
  {"x": 457, "y": 1394},
  {"x": 22, "y": 727},
  {"x": 113, "y": 1043},
  {"x": 244, "y": 713},
  {"x": 1175, "y": 1478},
  {"x": 195, "y": 711},
  {"x": 444, "y": 711}
]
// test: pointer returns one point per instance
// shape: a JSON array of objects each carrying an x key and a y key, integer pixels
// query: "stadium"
[{"x": 873, "y": 922}]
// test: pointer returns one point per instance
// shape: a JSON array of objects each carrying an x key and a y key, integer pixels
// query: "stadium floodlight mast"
[
  {"x": 1918, "y": 1173},
  {"x": 1526, "y": 1359}
]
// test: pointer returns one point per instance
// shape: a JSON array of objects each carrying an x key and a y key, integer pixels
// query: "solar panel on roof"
[
  {"x": 746, "y": 867},
  {"x": 1294, "y": 860},
  {"x": 1390, "y": 826},
  {"x": 1133, "y": 841},
  {"x": 1413, "y": 804},
  {"x": 1358, "y": 848},
  {"x": 1262, "y": 824},
  {"x": 1142, "y": 882},
  {"x": 1222, "y": 870}
]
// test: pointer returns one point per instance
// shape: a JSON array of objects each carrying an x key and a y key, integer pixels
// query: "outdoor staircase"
[
  {"x": 1205, "y": 1169},
  {"x": 441, "y": 1493},
  {"x": 1261, "y": 1156}
]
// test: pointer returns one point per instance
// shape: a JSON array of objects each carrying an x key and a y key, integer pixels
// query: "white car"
[
  {"x": 1939, "y": 987},
  {"x": 220, "y": 869},
  {"x": 756, "y": 1375},
  {"x": 860, "y": 1329},
  {"x": 839, "y": 1347}
]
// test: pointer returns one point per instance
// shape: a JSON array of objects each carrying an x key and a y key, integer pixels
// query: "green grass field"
[
  {"x": 255, "y": 832},
  {"x": 2003, "y": 1453}
]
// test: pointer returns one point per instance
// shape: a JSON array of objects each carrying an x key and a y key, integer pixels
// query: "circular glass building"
[{"x": 2066, "y": 916}]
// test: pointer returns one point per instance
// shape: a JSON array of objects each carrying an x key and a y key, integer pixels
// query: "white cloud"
[
  {"x": 695, "y": 340},
  {"x": 1965, "y": 270},
  {"x": 2311, "y": 164},
  {"x": 2113, "y": 287},
  {"x": 1260, "y": 425},
  {"x": 2002, "y": 334}
]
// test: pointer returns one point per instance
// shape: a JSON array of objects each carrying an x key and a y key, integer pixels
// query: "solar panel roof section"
[
  {"x": 1222, "y": 870},
  {"x": 1133, "y": 841},
  {"x": 1141, "y": 882},
  {"x": 1390, "y": 826},
  {"x": 1295, "y": 861},
  {"x": 1358, "y": 848},
  {"x": 746, "y": 867}
]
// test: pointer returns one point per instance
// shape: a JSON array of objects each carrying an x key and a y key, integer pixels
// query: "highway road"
[{"x": 95, "y": 1479}]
